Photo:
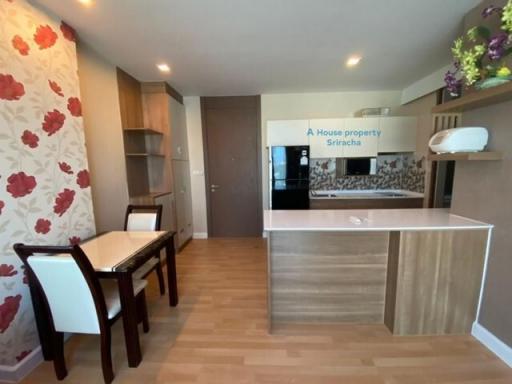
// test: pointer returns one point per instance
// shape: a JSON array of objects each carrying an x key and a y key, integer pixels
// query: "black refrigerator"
[{"x": 289, "y": 177}]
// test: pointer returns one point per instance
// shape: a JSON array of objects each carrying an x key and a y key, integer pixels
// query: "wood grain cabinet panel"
[
  {"x": 438, "y": 277},
  {"x": 327, "y": 277},
  {"x": 376, "y": 203}
]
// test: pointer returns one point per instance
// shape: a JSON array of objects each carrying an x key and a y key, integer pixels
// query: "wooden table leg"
[
  {"x": 172, "y": 281},
  {"x": 129, "y": 314}
]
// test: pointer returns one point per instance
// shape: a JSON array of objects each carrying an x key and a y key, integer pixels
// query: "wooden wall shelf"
[
  {"x": 477, "y": 99},
  {"x": 465, "y": 156},
  {"x": 147, "y": 131}
]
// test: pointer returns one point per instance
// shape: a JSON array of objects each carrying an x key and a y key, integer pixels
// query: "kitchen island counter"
[
  {"x": 367, "y": 220},
  {"x": 418, "y": 271}
]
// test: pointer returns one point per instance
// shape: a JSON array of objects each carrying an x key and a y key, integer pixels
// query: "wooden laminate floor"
[{"x": 218, "y": 334}]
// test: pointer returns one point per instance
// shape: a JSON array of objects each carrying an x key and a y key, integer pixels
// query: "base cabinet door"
[{"x": 182, "y": 201}]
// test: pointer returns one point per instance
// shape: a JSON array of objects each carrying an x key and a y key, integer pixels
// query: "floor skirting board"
[
  {"x": 17, "y": 372},
  {"x": 200, "y": 235},
  {"x": 498, "y": 347}
]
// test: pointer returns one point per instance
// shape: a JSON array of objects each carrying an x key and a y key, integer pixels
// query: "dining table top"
[{"x": 109, "y": 250}]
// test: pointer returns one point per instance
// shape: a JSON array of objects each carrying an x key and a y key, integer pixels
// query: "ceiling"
[{"x": 242, "y": 47}]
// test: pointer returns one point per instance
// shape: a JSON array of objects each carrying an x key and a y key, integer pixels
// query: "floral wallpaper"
[
  {"x": 401, "y": 171},
  {"x": 45, "y": 196}
]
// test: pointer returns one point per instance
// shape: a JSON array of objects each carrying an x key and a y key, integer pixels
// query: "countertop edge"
[{"x": 383, "y": 229}]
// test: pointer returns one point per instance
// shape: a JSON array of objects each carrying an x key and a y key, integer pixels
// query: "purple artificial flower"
[
  {"x": 488, "y": 11},
  {"x": 496, "y": 48},
  {"x": 452, "y": 84}
]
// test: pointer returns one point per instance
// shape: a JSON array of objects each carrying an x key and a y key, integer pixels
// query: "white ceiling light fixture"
[
  {"x": 86, "y": 3},
  {"x": 352, "y": 61},
  {"x": 163, "y": 67}
]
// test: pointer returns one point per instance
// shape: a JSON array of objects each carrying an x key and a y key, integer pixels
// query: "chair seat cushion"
[
  {"x": 145, "y": 268},
  {"x": 111, "y": 293}
]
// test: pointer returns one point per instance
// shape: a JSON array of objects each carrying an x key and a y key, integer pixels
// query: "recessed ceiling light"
[
  {"x": 163, "y": 68},
  {"x": 353, "y": 61},
  {"x": 86, "y": 3}
]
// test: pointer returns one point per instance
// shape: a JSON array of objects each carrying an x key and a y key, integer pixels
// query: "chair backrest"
[
  {"x": 67, "y": 281},
  {"x": 143, "y": 218}
]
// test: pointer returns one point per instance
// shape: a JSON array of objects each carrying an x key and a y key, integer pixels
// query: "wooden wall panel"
[
  {"x": 327, "y": 277},
  {"x": 130, "y": 100},
  {"x": 438, "y": 282}
]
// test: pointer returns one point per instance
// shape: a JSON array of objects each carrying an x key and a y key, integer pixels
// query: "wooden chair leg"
[
  {"x": 58, "y": 356},
  {"x": 142, "y": 311},
  {"x": 160, "y": 275},
  {"x": 106, "y": 356}
]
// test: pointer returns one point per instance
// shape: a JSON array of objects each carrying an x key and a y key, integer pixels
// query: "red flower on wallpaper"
[
  {"x": 68, "y": 32},
  {"x": 53, "y": 121},
  {"x": 65, "y": 167},
  {"x": 74, "y": 240},
  {"x": 22, "y": 355},
  {"x": 75, "y": 106},
  {"x": 2, "y": 205},
  {"x": 10, "y": 89},
  {"x": 82, "y": 178},
  {"x": 45, "y": 36},
  {"x": 7, "y": 270},
  {"x": 20, "y": 184},
  {"x": 30, "y": 139},
  {"x": 20, "y": 45},
  {"x": 63, "y": 201},
  {"x": 55, "y": 87},
  {"x": 8, "y": 311},
  {"x": 43, "y": 226}
]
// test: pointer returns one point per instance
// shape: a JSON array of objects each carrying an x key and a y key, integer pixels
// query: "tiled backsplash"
[{"x": 400, "y": 171}]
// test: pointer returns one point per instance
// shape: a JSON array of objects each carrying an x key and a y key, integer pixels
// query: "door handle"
[{"x": 214, "y": 187}]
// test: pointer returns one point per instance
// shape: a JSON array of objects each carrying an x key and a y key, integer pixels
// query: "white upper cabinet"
[
  {"x": 398, "y": 134},
  {"x": 361, "y": 136},
  {"x": 346, "y": 137},
  {"x": 287, "y": 132},
  {"x": 325, "y": 139}
]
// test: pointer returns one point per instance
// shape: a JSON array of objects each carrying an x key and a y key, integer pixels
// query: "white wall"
[
  {"x": 425, "y": 85},
  {"x": 195, "y": 150},
  {"x": 312, "y": 106},
  {"x": 104, "y": 138}
]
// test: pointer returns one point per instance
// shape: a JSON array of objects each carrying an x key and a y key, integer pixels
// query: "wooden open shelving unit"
[
  {"x": 466, "y": 156},
  {"x": 146, "y": 131},
  {"x": 477, "y": 99},
  {"x": 142, "y": 154}
]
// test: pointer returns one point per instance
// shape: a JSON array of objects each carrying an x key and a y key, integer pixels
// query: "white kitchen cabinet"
[
  {"x": 287, "y": 132},
  {"x": 323, "y": 134},
  {"x": 361, "y": 137},
  {"x": 398, "y": 134}
]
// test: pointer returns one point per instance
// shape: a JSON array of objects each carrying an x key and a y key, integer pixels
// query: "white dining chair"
[
  {"x": 75, "y": 300},
  {"x": 146, "y": 218}
]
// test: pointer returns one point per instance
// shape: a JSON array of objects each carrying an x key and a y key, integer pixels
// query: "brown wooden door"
[{"x": 231, "y": 128}]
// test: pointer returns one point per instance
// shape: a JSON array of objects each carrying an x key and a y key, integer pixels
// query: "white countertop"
[
  {"x": 367, "y": 220},
  {"x": 107, "y": 251},
  {"x": 364, "y": 194}
]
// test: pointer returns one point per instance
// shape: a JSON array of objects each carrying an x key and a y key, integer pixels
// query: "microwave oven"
[{"x": 356, "y": 166}]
